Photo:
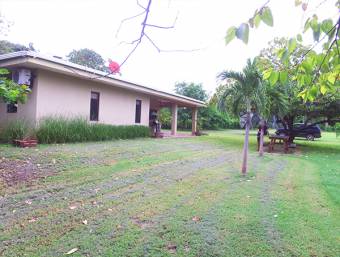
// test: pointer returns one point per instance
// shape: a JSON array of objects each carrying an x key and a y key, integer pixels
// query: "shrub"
[
  {"x": 208, "y": 118},
  {"x": 19, "y": 129},
  {"x": 78, "y": 129}
]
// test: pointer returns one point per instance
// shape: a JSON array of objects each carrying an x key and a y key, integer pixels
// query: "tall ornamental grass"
[
  {"x": 59, "y": 129},
  {"x": 18, "y": 129},
  {"x": 67, "y": 130}
]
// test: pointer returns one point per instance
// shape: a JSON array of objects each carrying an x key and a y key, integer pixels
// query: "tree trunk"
[
  {"x": 245, "y": 146},
  {"x": 261, "y": 139},
  {"x": 290, "y": 128}
]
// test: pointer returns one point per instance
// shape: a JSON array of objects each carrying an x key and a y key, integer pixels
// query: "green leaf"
[
  {"x": 274, "y": 77},
  {"x": 331, "y": 78},
  {"x": 326, "y": 25},
  {"x": 323, "y": 89},
  {"x": 266, "y": 16},
  {"x": 285, "y": 57},
  {"x": 298, "y": 2},
  {"x": 3, "y": 71},
  {"x": 266, "y": 74},
  {"x": 283, "y": 77},
  {"x": 307, "y": 65},
  {"x": 316, "y": 33},
  {"x": 231, "y": 33},
  {"x": 314, "y": 23},
  {"x": 299, "y": 37},
  {"x": 312, "y": 93},
  {"x": 243, "y": 32},
  {"x": 291, "y": 45},
  {"x": 257, "y": 20},
  {"x": 300, "y": 79},
  {"x": 307, "y": 25},
  {"x": 303, "y": 94}
]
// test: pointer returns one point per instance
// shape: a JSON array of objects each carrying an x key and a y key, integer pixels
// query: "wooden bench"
[{"x": 275, "y": 139}]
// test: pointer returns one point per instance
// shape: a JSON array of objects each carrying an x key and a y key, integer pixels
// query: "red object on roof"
[{"x": 114, "y": 67}]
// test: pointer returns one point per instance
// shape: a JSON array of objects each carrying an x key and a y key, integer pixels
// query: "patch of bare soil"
[{"x": 13, "y": 172}]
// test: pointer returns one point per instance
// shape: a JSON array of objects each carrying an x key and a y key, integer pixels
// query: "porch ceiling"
[{"x": 157, "y": 103}]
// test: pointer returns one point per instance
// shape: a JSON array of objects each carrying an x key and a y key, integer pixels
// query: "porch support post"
[
  {"x": 174, "y": 119},
  {"x": 194, "y": 121}
]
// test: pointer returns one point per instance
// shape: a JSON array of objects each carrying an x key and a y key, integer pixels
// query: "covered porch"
[{"x": 156, "y": 104}]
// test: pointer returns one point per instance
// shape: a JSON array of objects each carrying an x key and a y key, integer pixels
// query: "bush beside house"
[
  {"x": 208, "y": 118},
  {"x": 68, "y": 130}
]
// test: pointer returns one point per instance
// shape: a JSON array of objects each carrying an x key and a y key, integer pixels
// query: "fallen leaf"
[
  {"x": 85, "y": 222},
  {"x": 28, "y": 202},
  {"x": 32, "y": 220},
  {"x": 109, "y": 209},
  {"x": 196, "y": 218},
  {"x": 71, "y": 251}
]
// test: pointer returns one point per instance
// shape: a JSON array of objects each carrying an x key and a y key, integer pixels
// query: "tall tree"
[
  {"x": 323, "y": 106},
  {"x": 9, "y": 47},
  {"x": 192, "y": 90},
  {"x": 88, "y": 58},
  {"x": 246, "y": 94}
]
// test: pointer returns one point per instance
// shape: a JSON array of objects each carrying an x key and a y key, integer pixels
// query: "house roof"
[{"x": 37, "y": 60}]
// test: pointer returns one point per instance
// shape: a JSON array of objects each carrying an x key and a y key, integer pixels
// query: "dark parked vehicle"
[{"x": 301, "y": 130}]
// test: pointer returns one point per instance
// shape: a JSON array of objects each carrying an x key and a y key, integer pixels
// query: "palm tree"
[{"x": 245, "y": 91}]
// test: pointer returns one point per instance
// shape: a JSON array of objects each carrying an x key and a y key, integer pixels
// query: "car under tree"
[{"x": 310, "y": 132}]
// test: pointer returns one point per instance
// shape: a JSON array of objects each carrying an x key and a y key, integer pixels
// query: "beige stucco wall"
[
  {"x": 25, "y": 111},
  {"x": 68, "y": 96}
]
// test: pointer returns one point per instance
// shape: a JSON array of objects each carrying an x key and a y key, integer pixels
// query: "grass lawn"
[{"x": 170, "y": 197}]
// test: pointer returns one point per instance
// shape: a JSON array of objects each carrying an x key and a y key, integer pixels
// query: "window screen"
[
  {"x": 138, "y": 111},
  {"x": 94, "y": 106}
]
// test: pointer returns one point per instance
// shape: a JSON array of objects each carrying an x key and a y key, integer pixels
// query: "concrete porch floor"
[{"x": 181, "y": 134}]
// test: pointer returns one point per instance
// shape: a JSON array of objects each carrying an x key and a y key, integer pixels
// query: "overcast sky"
[{"x": 58, "y": 26}]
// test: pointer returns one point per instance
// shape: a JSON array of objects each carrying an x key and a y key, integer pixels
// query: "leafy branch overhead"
[
  {"x": 314, "y": 71},
  {"x": 263, "y": 14}
]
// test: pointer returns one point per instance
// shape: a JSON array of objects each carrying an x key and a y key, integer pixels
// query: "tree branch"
[{"x": 126, "y": 19}]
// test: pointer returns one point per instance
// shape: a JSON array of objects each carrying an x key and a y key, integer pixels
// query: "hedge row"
[{"x": 69, "y": 130}]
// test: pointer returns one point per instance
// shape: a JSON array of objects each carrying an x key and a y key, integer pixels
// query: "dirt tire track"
[{"x": 267, "y": 202}]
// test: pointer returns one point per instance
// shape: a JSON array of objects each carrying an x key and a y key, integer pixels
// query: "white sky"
[{"x": 58, "y": 26}]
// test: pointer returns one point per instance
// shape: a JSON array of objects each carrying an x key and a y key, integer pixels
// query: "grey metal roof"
[{"x": 96, "y": 73}]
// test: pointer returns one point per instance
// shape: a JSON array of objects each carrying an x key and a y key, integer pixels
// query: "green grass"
[{"x": 173, "y": 197}]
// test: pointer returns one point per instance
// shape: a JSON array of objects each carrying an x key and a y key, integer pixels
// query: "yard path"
[{"x": 170, "y": 197}]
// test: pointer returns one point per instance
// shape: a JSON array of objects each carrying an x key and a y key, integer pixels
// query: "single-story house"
[{"x": 59, "y": 87}]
